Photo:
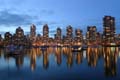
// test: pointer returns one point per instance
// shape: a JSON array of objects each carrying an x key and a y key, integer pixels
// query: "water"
[{"x": 61, "y": 64}]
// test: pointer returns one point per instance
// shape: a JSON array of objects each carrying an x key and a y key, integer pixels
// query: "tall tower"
[
  {"x": 45, "y": 31},
  {"x": 91, "y": 33},
  {"x": 7, "y": 36},
  {"x": 109, "y": 29},
  {"x": 19, "y": 32},
  {"x": 1, "y": 38},
  {"x": 19, "y": 37},
  {"x": 32, "y": 31},
  {"x": 79, "y": 35},
  {"x": 58, "y": 34},
  {"x": 78, "y": 39},
  {"x": 69, "y": 32}
]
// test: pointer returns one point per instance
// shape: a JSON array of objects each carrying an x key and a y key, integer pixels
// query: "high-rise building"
[
  {"x": 32, "y": 32},
  {"x": 78, "y": 34},
  {"x": 7, "y": 38},
  {"x": 55, "y": 36},
  {"x": 91, "y": 33},
  {"x": 99, "y": 38},
  {"x": 78, "y": 39},
  {"x": 45, "y": 31},
  {"x": 18, "y": 37},
  {"x": 19, "y": 32},
  {"x": 38, "y": 38},
  {"x": 109, "y": 29},
  {"x": 58, "y": 34},
  {"x": 69, "y": 32},
  {"x": 1, "y": 38},
  {"x": 69, "y": 36},
  {"x": 45, "y": 37}
]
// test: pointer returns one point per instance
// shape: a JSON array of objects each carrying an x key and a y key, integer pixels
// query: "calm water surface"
[{"x": 61, "y": 64}]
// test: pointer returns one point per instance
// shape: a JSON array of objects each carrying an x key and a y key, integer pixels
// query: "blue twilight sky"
[{"x": 56, "y": 13}]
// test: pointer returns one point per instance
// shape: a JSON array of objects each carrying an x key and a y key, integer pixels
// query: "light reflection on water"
[{"x": 61, "y": 63}]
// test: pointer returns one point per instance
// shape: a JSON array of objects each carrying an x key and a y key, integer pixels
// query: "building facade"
[{"x": 109, "y": 29}]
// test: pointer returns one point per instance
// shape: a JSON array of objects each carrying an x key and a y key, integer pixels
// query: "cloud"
[
  {"x": 13, "y": 19},
  {"x": 9, "y": 19}
]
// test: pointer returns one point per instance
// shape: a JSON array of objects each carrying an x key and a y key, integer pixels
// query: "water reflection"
[
  {"x": 69, "y": 59},
  {"x": 110, "y": 60},
  {"x": 92, "y": 56},
  {"x": 33, "y": 53},
  {"x": 109, "y": 56},
  {"x": 45, "y": 60},
  {"x": 79, "y": 57},
  {"x": 58, "y": 53},
  {"x": 19, "y": 61}
]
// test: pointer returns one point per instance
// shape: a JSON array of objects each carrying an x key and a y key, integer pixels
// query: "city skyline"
[
  {"x": 63, "y": 31},
  {"x": 73, "y": 37},
  {"x": 60, "y": 14}
]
